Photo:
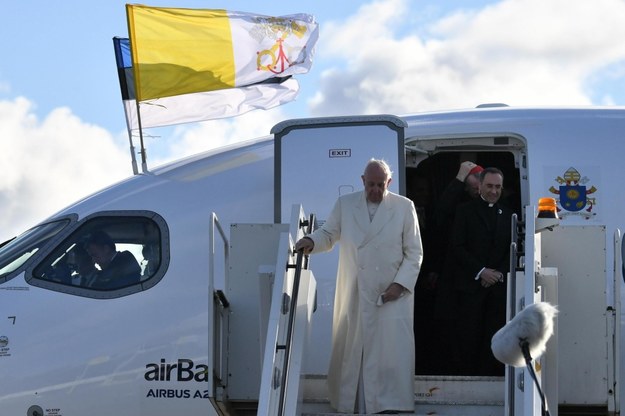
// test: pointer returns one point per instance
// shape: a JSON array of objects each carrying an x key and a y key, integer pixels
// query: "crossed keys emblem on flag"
[{"x": 275, "y": 58}]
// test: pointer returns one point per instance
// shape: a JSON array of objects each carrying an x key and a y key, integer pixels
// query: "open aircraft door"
[{"x": 316, "y": 161}]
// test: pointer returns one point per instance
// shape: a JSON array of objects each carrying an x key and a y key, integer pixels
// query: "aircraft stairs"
[
  {"x": 274, "y": 305},
  {"x": 288, "y": 301}
]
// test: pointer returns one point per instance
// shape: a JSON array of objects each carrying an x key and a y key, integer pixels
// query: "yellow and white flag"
[
  {"x": 199, "y": 106},
  {"x": 211, "y": 105},
  {"x": 185, "y": 51}
]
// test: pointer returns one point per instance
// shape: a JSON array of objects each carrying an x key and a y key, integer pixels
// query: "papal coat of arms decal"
[{"x": 574, "y": 194}]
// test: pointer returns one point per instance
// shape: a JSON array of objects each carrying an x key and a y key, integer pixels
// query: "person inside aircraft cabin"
[
  {"x": 463, "y": 188},
  {"x": 372, "y": 360},
  {"x": 84, "y": 271},
  {"x": 480, "y": 244},
  {"x": 117, "y": 268}
]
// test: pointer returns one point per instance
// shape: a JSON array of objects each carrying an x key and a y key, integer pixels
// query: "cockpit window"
[
  {"x": 107, "y": 256},
  {"x": 15, "y": 253}
]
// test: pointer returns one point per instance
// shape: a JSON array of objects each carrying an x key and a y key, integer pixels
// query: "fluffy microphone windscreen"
[{"x": 533, "y": 324}]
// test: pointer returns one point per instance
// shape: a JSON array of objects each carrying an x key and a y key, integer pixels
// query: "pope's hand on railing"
[{"x": 306, "y": 244}]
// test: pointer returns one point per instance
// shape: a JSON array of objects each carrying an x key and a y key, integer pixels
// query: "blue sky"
[
  {"x": 62, "y": 54},
  {"x": 62, "y": 126}
]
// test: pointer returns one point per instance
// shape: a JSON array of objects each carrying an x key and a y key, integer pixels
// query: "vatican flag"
[
  {"x": 186, "y": 51},
  {"x": 199, "y": 106}
]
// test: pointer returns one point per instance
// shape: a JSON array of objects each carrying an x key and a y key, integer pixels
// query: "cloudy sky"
[{"x": 62, "y": 126}]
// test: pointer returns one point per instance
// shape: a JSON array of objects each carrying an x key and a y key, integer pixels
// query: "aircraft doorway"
[{"x": 430, "y": 185}]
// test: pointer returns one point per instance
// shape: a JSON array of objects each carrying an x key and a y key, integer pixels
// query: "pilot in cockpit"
[
  {"x": 84, "y": 272},
  {"x": 117, "y": 268}
]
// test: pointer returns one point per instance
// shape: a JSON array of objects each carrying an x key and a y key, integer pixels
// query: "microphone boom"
[{"x": 533, "y": 325}]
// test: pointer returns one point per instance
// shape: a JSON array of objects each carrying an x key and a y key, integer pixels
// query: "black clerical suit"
[
  {"x": 480, "y": 239},
  {"x": 437, "y": 259}
]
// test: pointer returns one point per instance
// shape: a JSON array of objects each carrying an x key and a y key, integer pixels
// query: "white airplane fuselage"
[{"x": 69, "y": 350}]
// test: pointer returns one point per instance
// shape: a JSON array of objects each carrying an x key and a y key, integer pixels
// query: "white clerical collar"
[{"x": 490, "y": 205}]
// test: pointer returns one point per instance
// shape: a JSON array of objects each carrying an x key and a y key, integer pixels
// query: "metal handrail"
[
  {"x": 614, "y": 329},
  {"x": 289, "y": 331},
  {"x": 511, "y": 306},
  {"x": 214, "y": 223},
  {"x": 301, "y": 257}
]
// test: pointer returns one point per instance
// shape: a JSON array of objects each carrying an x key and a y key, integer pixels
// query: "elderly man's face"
[{"x": 376, "y": 183}]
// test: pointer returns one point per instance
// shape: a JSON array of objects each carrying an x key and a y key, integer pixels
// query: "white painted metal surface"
[{"x": 77, "y": 354}]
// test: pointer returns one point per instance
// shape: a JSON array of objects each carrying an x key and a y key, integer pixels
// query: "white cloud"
[
  {"x": 47, "y": 164},
  {"x": 389, "y": 57},
  {"x": 521, "y": 52}
]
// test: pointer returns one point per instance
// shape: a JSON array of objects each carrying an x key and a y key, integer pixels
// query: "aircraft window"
[
  {"x": 105, "y": 254},
  {"x": 15, "y": 253}
]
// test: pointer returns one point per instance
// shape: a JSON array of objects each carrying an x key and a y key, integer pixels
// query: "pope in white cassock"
[{"x": 372, "y": 362}]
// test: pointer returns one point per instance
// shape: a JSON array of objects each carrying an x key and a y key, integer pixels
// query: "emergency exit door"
[{"x": 316, "y": 161}]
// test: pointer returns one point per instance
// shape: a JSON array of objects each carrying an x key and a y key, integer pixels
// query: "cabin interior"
[{"x": 425, "y": 182}]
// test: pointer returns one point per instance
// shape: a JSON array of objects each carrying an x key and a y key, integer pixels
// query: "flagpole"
[
  {"x": 120, "y": 47},
  {"x": 144, "y": 163},
  {"x": 133, "y": 159}
]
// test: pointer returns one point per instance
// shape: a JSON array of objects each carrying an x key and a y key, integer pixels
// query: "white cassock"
[{"x": 373, "y": 254}]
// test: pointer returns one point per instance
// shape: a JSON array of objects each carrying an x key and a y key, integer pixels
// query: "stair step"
[
  {"x": 434, "y": 395},
  {"x": 447, "y": 410}
]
